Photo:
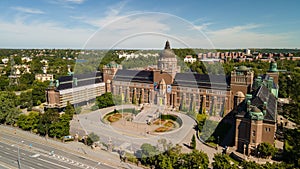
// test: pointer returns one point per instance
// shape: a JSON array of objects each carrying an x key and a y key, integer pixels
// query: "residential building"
[{"x": 189, "y": 59}]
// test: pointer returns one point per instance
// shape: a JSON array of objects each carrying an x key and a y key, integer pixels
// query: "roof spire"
[{"x": 167, "y": 46}]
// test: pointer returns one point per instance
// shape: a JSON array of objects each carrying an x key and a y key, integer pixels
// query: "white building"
[
  {"x": 248, "y": 51},
  {"x": 26, "y": 59},
  {"x": 189, "y": 59},
  {"x": 44, "y": 77},
  {"x": 5, "y": 60}
]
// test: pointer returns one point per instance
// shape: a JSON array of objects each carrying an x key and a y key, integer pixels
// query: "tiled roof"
[
  {"x": 201, "y": 80},
  {"x": 143, "y": 76},
  {"x": 261, "y": 95},
  {"x": 67, "y": 82}
]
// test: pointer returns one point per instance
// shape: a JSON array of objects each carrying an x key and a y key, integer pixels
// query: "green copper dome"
[
  {"x": 256, "y": 114},
  {"x": 242, "y": 68},
  {"x": 273, "y": 67}
]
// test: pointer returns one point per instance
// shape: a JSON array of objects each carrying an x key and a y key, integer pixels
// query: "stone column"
[
  {"x": 142, "y": 95},
  {"x": 204, "y": 103},
  {"x": 171, "y": 99},
  {"x": 175, "y": 100}
]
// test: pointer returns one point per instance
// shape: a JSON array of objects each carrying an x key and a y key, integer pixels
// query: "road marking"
[
  {"x": 23, "y": 154},
  {"x": 53, "y": 163},
  {"x": 1, "y": 146},
  {"x": 39, "y": 164},
  {"x": 31, "y": 168},
  {"x": 15, "y": 151},
  {"x": 35, "y": 155},
  {"x": 7, "y": 148},
  {"x": 6, "y": 152}
]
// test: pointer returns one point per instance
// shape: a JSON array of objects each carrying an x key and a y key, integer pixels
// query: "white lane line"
[
  {"x": 15, "y": 151},
  {"x": 53, "y": 163},
  {"x": 5, "y": 152},
  {"x": 31, "y": 168}
]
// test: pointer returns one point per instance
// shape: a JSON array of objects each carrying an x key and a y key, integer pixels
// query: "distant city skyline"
[{"x": 137, "y": 24}]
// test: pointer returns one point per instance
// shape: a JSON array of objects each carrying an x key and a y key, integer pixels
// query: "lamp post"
[
  {"x": 218, "y": 143},
  {"x": 19, "y": 157},
  {"x": 245, "y": 146}
]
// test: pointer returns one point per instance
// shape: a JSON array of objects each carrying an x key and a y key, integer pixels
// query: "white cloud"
[
  {"x": 66, "y": 3},
  {"x": 201, "y": 27},
  {"x": 244, "y": 36},
  {"x": 41, "y": 35},
  {"x": 75, "y": 1},
  {"x": 125, "y": 30},
  {"x": 28, "y": 10}
]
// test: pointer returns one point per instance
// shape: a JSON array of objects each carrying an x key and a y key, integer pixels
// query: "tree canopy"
[
  {"x": 8, "y": 107},
  {"x": 105, "y": 100}
]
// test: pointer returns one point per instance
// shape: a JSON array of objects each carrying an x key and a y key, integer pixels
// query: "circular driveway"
[{"x": 91, "y": 122}]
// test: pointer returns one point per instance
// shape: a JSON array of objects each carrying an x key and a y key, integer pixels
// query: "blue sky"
[{"x": 147, "y": 24}]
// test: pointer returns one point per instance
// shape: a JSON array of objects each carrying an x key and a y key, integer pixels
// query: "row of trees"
[
  {"x": 50, "y": 123},
  {"x": 223, "y": 161},
  {"x": 171, "y": 157}
]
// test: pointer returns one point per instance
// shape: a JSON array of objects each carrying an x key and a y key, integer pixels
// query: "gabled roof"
[
  {"x": 261, "y": 95},
  {"x": 141, "y": 76}
]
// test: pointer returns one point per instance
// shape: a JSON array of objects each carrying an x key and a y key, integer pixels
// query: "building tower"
[
  {"x": 109, "y": 72},
  {"x": 167, "y": 61},
  {"x": 241, "y": 83},
  {"x": 273, "y": 72}
]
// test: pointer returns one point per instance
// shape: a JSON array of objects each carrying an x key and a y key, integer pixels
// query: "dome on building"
[
  {"x": 242, "y": 68},
  {"x": 273, "y": 67},
  {"x": 255, "y": 110},
  {"x": 167, "y": 52}
]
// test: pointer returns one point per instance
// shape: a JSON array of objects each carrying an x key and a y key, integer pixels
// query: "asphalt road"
[{"x": 38, "y": 155}]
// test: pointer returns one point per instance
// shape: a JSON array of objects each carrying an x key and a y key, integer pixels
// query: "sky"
[{"x": 104, "y": 24}]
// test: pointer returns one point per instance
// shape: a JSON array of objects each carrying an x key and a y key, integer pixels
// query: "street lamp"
[
  {"x": 19, "y": 157},
  {"x": 218, "y": 142},
  {"x": 245, "y": 146}
]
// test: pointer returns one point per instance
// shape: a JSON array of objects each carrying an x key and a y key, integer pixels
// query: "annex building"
[{"x": 75, "y": 89}]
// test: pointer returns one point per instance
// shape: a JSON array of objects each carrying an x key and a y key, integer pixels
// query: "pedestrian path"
[{"x": 146, "y": 114}]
